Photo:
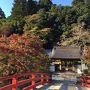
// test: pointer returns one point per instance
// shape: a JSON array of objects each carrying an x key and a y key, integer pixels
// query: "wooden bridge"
[
  {"x": 37, "y": 81},
  {"x": 24, "y": 81}
]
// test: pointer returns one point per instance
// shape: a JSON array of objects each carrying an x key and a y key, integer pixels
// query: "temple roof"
[{"x": 66, "y": 53}]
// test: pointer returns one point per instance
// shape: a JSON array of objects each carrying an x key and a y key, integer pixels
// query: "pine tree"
[
  {"x": 2, "y": 15},
  {"x": 45, "y": 4},
  {"x": 31, "y": 7},
  {"x": 19, "y": 9},
  {"x": 77, "y": 1}
]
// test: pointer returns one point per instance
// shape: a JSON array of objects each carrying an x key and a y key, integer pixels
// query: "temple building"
[{"x": 66, "y": 59}]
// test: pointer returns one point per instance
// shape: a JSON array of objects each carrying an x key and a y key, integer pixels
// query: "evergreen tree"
[
  {"x": 2, "y": 15},
  {"x": 88, "y": 2},
  {"x": 45, "y": 4},
  {"x": 77, "y": 1},
  {"x": 31, "y": 7},
  {"x": 19, "y": 9},
  {"x": 88, "y": 14}
]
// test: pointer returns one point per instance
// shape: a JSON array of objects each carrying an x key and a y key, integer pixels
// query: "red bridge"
[
  {"x": 29, "y": 81},
  {"x": 26, "y": 81}
]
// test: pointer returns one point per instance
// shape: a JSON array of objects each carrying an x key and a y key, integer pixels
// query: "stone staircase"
[{"x": 65, "y": 76}]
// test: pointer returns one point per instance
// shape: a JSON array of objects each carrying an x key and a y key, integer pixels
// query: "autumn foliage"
[
  {"x": 21, "y": 54},
  {"x": 86, "y": 54}
]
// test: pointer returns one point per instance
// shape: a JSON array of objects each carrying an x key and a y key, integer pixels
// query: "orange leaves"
[
  {"x": 21, "y": 44},
  {"x": 86, "y": 54},
  {"x": 23, "y": 52}
]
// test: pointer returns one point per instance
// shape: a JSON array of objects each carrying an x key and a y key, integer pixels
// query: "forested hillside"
[{"x": 53, "y": 24}]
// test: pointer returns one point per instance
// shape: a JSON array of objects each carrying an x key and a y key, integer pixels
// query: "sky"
[{"x": 6, "y": 5}]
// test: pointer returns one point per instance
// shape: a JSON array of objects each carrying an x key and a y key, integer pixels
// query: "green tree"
[
  {"x": 46, "y": 25},
  {"x": 7, "y": 29},
  {"x": 55, "y": 9},
  {"x": 31, "y": 7},
  {"x": 88, "y": 2},
  {"x": 9, "y": 26},
  {"x": 81, "y": 12},
  {"x": 35, "y": 25},
  {"x": 2, "y": 15},
  {"x": 77, "y": 1},
  {"x": 45, "y": 4},
  {"x": 19, "y": 9}
]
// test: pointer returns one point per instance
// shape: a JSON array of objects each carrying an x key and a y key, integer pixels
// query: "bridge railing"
[
  {"x": 85, "y": 80},
  {"x": 26, "y": 81}
]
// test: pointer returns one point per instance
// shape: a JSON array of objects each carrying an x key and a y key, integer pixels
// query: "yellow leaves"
[
  {"x": 86, "y": 55},
  {"x": 78, "y": 33},
  {"x": 2, "y": 56},
  {"x": 46, "y": 30},
  {"x": 32, "y": 18}
]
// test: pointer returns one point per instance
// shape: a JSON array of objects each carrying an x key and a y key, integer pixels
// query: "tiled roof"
[{"x": 66, "y": 53}]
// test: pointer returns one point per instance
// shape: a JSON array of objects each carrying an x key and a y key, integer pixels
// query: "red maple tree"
[{"x": 21, "y": 54}]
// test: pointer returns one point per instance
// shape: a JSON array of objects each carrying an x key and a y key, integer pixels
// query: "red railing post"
[
  {"x": 42, "y": 78},
  {"x": 14, "y": 81},
  {"x": 33, "y": 79}
]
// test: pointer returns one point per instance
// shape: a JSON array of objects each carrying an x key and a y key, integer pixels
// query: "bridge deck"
[{"x": 62, "y": 85}]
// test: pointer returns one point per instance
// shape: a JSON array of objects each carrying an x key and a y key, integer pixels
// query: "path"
[
  {"x": 63, "y": 81},
  {"x": 62, "y": 85}
]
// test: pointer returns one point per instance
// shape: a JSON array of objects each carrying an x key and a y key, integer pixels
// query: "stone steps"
[{"x": 64, "y": 76}]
